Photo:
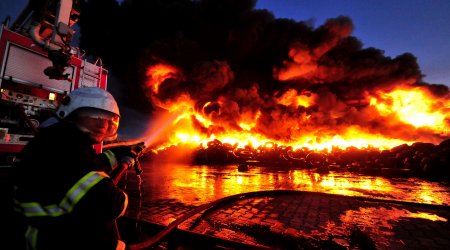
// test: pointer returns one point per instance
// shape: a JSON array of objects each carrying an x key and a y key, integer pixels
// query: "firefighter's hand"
[
  {"x": 124, "y": 151},
  {"x": 130, "y": 155},
  {"x": 129, "y": 161}
]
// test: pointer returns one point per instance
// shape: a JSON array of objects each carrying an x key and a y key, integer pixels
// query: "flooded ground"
[
  {"x": 317, "y": 219},
  {"x": 199, "y": 184}
]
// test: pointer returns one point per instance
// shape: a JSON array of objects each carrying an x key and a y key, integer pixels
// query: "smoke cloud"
[{"x": 242, "y": 61}]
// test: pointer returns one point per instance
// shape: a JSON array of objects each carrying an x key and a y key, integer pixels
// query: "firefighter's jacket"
[{"x": 65, "y": 194}]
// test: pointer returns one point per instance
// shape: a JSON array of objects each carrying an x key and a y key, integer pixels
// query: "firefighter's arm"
[
  {"x": 118, "y": 172},
  {"x": 114, "y": 156},
  {"x": 104, "y": 201},
  {"x": 123, "y": 158}
]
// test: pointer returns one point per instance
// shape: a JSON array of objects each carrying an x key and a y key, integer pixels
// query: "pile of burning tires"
[{"x": 424, "y": 160}]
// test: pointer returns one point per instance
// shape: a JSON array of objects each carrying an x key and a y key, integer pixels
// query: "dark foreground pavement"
[{"x": 305, "y": 220}]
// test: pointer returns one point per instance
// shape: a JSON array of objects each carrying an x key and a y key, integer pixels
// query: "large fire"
[
  {"x": 298, "y": 118},
  {"x": 227, "y": 71}
]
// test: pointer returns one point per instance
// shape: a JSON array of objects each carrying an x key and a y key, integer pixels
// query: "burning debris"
[
  {"x": 229, "y": 73},
  {"x": 421, "y": 160}
]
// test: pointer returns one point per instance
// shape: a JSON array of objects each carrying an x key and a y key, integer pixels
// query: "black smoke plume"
[{"x": 242, "y": 59}]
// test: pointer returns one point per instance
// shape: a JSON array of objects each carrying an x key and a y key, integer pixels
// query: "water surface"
[{"x": 199, "y": 184}]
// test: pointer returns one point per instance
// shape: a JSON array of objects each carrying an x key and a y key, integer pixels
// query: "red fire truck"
[{"x": 38, "y": 66}]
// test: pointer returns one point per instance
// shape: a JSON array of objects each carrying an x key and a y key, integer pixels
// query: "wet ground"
[
  {"x": 196, "y": 185},
  {"x": 337, "y": 211}
]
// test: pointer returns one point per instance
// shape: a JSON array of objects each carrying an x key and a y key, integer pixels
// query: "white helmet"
[
  {"x": 92, "y": 102},
  {"x": 91, "y": 97}
]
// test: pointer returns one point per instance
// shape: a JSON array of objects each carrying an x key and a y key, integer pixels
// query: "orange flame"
[
  {"x": 415, "y": 107},
  {"x": 307, "y": 124},
  {"x": 292, "y": 97}
]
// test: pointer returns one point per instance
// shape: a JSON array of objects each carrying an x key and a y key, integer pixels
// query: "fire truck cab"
[{"x": 38, "y": 66}]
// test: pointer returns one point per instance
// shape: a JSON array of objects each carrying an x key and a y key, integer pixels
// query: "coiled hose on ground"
[{"x": 153, "y": 241}]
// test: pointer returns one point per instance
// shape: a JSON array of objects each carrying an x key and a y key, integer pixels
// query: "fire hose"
[
  {"x": 158, "y": 238},
  {"x": 123, "y": 167},
  {"x": 139, "y": 149},
  {"x": 153, "y": 241}
]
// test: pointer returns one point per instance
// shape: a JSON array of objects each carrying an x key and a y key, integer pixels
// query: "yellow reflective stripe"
[
  {"x": 112, "y": 160},
  {"x": 79, "y": 190},
  {"x": 31, "y": 209},
  {"x": 75, "y": 193},
  {"x": 31, "y": 237}
]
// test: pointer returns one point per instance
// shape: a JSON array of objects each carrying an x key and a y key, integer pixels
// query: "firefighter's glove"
[
  {"x": 128, "y": 153},
  {"x": 129, "y": 161},
  {"x": 122, "y": 151}
]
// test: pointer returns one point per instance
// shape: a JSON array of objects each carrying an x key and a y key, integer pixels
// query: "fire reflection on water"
[
  {"x": 199, "y": 184},
  {"x": 379, "y": 222}
]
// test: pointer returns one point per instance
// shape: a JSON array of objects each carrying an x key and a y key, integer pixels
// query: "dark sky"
[
  {"x": 236, "y": 59},
  {"x": 421, "y": 27}
]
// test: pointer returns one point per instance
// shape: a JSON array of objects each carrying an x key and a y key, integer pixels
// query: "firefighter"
[{"x": 63, "y": 188}]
